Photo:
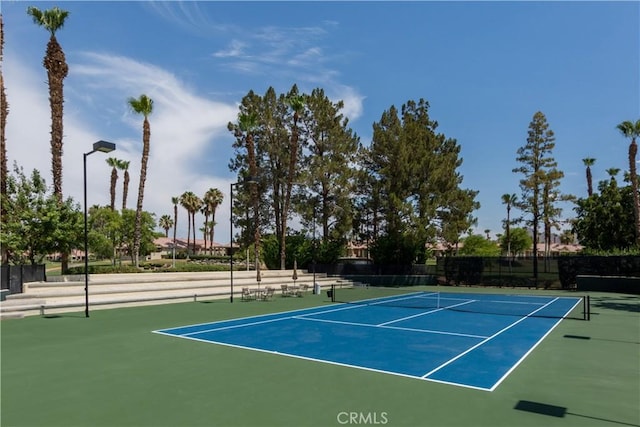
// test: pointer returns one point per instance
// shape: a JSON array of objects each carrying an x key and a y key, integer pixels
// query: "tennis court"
[{"x": 469, "y": 340}]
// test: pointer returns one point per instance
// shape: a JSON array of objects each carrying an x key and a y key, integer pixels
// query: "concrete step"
[
  {"x": 141, "y": 278},
  {"x": 65, "y": 297},
  {"x": 78, "y": 289}
]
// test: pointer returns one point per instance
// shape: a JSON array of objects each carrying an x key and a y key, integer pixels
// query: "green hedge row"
[{"x": 149, "y": 267}]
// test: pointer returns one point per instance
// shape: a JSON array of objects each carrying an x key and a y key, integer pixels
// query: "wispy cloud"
[
  {"x": 292, "y": 55},
  {"x": 184, "y": 128},
  {"x": 189, "y": 16},
  {"x": 235, "y": 49}
]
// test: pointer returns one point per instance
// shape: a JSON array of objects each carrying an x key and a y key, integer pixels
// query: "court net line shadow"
[{"x": 560, "y": 412}]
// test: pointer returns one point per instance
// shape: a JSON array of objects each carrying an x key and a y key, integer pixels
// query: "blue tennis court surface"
[{"x": 450, "y": 339}]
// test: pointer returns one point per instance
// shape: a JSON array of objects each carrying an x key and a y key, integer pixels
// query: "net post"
[
  {"x": 333, "y": 292},
  {"x": 587, "y": 307}
]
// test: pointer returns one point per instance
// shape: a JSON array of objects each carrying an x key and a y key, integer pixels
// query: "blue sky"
[{"x": 484, "y": 67}]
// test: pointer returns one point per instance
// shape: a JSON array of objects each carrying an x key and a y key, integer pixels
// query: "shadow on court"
[{"x": 559, "y": 412}]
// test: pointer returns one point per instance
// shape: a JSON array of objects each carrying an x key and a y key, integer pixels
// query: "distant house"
[
  {"x": 164, "y": 245},
  {"x": 556, "y": 249},
  {"x": 357, "y": 250},
  {"x": 76, "y": 255}
]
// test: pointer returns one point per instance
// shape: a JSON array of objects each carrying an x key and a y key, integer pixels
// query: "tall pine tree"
[{"x": 540, "y": 183}]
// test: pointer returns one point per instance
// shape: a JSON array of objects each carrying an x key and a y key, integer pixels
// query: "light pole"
[
  {"x": 103, "y": 147},
  {"x": 313, "y": 252},
  {"x": 247, "y": 180}
]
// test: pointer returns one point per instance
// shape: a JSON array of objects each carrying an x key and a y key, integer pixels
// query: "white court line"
[
  {"x": 368, "y": 325},
  {"x": 425, "y": 313},
  {"x": 388, "y": 299},
  {"x": 496, "y": 301},
  {"x": 241, "y": 325},
  {"x": 486, "y": 340},
  {"x": 313, "y": 359},
  {"x": 533, "y": 347}
]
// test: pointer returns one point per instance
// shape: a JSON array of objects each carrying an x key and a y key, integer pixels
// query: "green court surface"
[{"x": 111, "y": 370}]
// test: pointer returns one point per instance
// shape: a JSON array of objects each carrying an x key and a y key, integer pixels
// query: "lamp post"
[
  {"x": 247, "y": 180},
  {"x": 313, "y": 253},
  {"x": 103, "y": 147}
]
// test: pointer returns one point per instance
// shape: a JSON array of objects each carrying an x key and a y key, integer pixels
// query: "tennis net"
[{"x": 575, "y": 307}]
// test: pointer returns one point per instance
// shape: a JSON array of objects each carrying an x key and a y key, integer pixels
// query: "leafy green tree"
[
  {"x": 395, "y": 249},
  {"x": 602, "y": 220},
  {"x": 142, "y": 105},
  {"x": 416, "y": 170},
  {"x": 36, "y": 223},
  {"x": 631, "y": 130},
  {"x": 4, "y": 112},
  {"x": 104, "y": 232},
  {"x": 518, "y": 243},
  {"x": 478, "y": 245},
  {"x": 147, "y": 235},
  {"x": 332, "y": 149},
  {"x": 456, "y": 218},
  {"x": 567, "y": 237},
  {"x": 303, "y": 150}
]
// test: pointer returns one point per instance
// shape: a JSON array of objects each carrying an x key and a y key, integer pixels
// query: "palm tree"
[
  {"x": 113, "y": 162},
  {"x": 632, "y": 130},
  {"x": 4, "y": 112},
  {"x": 588, "y": 162},
  {"x": 509, "y": 200},
  {"x": 124, "y": 165},
  {"x": 196, "y": 204},
  {"x": 57, "y": 69},
  {"x": 54, "y": 62},
  {"x": 487, "y": 231},
  {"x": 142, "y": 105},
  {"x": 613, "y": 172},
  {"x": 204, "y": 210},
  {"x": 186, "y": 203},
  {"x": 191, "y": 203},
  {"x": 212, "y": 199},
  {"x": 165, "y": 223},
  {"x": 247, "y": 123}
]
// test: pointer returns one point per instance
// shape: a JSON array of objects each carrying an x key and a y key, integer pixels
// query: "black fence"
[
  {"x": 13, "y": 276},
  {"x": 553, "y": 272},
  {"x": 621, "y": 266},
  {"x": 370, "y": 269},
  {"x": 498, "y": 271}
]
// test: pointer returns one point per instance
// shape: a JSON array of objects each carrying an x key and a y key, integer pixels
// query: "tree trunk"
[
  {"x": 633, "y": 151},
  {"x": 125, "y": 190},
  {"x": 146, "y": 136}
]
